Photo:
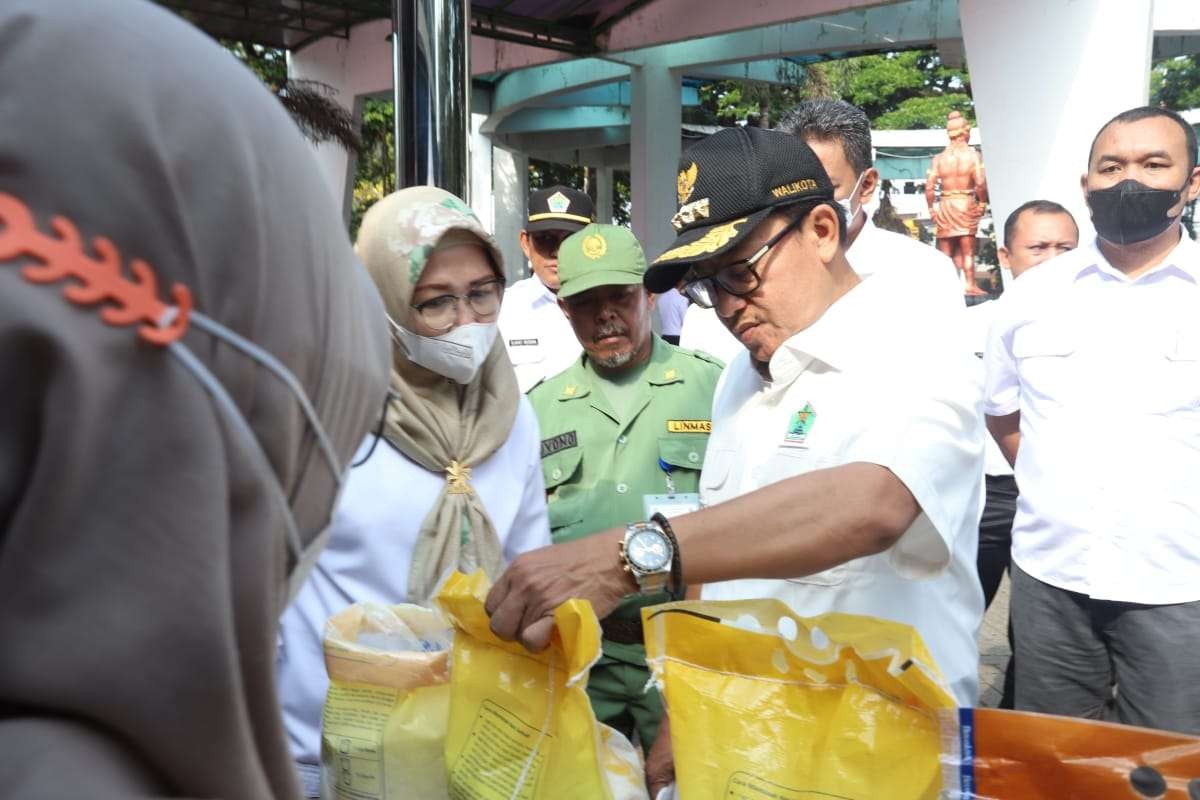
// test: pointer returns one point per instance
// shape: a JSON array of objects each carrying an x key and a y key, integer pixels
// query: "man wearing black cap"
[
  {"x": 846, "y": 453},
  {"x": 539, "y": 339}
]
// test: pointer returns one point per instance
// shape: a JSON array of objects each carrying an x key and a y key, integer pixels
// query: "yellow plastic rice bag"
[
  {"x": 766, "y": 704},
  {"x": 521, "y": 725},
  {"x": 383, "y": 727}
]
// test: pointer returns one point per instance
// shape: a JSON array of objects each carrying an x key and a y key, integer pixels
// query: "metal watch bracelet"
[{"x": 675, "y": 589}]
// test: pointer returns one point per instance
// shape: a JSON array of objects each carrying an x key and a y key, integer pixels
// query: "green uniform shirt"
[{"x": 600, "y": 465}]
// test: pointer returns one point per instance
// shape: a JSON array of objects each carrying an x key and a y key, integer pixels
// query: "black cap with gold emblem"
[
  {"x": 728, "y": 183},
  {"x": 559, "y": 208}
]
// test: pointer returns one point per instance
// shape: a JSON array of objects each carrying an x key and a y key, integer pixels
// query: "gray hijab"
[{"x": 144, "y": 546}]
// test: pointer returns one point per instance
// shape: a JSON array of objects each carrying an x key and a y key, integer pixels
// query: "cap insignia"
[
  {"x": 594, "y": 246},
  {"x": 670, "y": 375},
  {"x": 558, "y": 203},
  {"x": 686, "y": 182},
  {"x": 710, "y": 242},
  {"x": 689, "y": 213},
  {"x": 569, "y": 391}
]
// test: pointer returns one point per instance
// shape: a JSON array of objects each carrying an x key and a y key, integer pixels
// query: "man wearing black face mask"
[{"x": 1093, "y": 371}]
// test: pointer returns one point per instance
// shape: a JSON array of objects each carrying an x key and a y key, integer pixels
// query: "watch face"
[{"x": 647, "y": 550}]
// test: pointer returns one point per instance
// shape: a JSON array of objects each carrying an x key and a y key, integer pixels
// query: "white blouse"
[{"x": 369, "y": 552}]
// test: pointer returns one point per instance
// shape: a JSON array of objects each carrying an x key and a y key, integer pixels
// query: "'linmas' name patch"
[
  {"x": 561, "y": 442},
  {"x": 689, "y": 426}
]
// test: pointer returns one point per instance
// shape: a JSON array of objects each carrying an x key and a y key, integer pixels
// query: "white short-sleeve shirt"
[
  {"x": 979, "y": 321},
  {"x": 540, "y": 340},
  {"x": 367, "y": 559},
  {"x": 884, "y": 377},
  {"x": 1105, "y": 372}
]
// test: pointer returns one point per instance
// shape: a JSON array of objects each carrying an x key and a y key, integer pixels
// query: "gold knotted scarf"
[{"x": 445, "y": 428}]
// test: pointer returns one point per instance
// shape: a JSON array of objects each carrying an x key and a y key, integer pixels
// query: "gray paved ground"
[{"x": 993, "y": 648}]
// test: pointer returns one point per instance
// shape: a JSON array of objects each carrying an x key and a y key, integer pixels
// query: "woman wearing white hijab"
[{"x": 457, "y": 481}]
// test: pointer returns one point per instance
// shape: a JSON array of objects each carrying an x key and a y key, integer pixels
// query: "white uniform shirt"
[
  {"x": 1106, "y": 374},
  {"x": 874, "y": 250},
  {"x": 537, "y": 335},
  {"x": 907, "y": 399},
  {"x": 979, "y": 321},
  {"x": 369, "y": 553},
  {"x": 671, "y": 308}
]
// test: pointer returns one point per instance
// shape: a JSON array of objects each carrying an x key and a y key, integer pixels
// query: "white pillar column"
[
  {"x": 482, "y": 200},
  {"x": 604, "y": 194},
  {"x": 1043, "y": 91},
  {"x": 655, "y": 119},
  {"x": 656, "y": 116},
  {"x": 510, "y": 197}
]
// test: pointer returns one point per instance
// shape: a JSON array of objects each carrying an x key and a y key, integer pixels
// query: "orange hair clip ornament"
[{"x": 99, "y": 279}]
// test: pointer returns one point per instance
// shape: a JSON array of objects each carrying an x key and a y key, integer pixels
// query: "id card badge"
[{"x": 671, "y": 505}]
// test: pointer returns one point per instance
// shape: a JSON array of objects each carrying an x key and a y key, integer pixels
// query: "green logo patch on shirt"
[{"x": 799, "y": 425}]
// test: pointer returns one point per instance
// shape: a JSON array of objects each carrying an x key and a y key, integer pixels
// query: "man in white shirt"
[
  {"x": 1093, "y": 392},
  {"x": 840, "y": 134},
  {"x": 538, "y": 338},
  {"x": 1035, "y": 232},
  {"x": 846, "y": 470}
]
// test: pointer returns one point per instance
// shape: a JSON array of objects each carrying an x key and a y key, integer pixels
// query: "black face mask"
[{"x": 1132, "y": 212}]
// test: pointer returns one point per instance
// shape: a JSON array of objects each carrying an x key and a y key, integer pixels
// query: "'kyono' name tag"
[{"x": 561, "y": 442}]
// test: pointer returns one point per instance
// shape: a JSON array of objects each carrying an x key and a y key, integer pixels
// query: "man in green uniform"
[{"x": 623, "y": 436}]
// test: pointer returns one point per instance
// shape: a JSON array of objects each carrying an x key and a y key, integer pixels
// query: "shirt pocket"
[
  {"x": 567, "y": 503},
  {"x": 1179, "y": 390},
  {"x": 683, "y": 450},
  {"x": 1043, "y": 360},
  {"x": 714, "y": 480}
]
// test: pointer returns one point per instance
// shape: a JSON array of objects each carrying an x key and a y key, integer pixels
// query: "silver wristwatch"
[{"x": 646, "y": 553}]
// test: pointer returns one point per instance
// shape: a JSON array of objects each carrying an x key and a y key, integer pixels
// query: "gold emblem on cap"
[
  {"x": 686, "y": 182},
  {"x": 569, "y": 391},
  {"x": 710, "y": 242},
  {"x": 594, "y": 246},
  {"x": 669, "y": 375}
]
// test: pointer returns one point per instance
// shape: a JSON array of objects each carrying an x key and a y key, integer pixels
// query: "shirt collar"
[
  {"x": 542, "y": 293},
  {"x": 1184, "y": 257},
  {"x": 859, "y": 252},
  {"x": 657, "y": 371},
  {"x": 835, "y": 338}
]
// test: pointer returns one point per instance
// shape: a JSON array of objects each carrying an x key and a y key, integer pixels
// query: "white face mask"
[
  {"x": 457, "y": 354},
  {"x": 847, "y": 203}
]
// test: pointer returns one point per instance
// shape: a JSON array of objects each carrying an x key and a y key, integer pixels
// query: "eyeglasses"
[
  {"x": 738, "y": 279},
  {"x": 440, "y": 313},
  {"x": 548, "y": 242}
]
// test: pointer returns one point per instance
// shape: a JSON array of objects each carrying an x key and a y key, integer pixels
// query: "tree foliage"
[
  {"x": 904, "y": 90},
  {"x": 1175, "y": 83},
  {"x": 375, "y": 169}
]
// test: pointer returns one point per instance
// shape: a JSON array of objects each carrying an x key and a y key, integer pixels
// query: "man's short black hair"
[
  {"x": 1148, "y": 112},
  {"x": 1033, "y": 207},
  {"x": 837, "y": 120}
]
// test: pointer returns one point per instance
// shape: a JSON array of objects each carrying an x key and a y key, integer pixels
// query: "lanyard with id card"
[{"x": 671, "y": 504}]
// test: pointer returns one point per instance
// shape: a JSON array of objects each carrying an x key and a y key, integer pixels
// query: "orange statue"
[{"x": 959, "y": 205}]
